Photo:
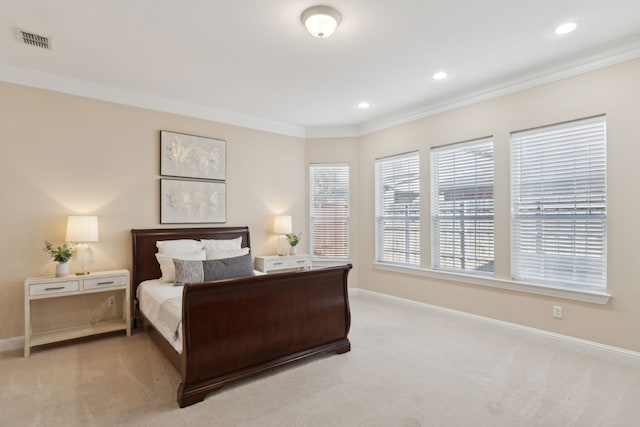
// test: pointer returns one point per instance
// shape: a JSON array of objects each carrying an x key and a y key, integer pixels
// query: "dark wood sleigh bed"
[{"x": 234, "y": 328}]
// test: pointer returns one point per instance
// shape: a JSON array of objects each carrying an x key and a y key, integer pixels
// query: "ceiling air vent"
[{"x": 33, "y": 39}]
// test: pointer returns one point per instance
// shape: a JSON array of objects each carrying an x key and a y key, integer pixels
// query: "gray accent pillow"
[
  {"x": 227, "y": 268},
  {"x": 215, "y": 269}
]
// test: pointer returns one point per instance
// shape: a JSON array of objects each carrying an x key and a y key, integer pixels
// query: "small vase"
[
  {"x": 62, "y": 269},
  {"x": 294, "y": 250}
]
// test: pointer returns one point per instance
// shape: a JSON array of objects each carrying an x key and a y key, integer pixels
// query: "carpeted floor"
[{"x": 408, "y": 367}]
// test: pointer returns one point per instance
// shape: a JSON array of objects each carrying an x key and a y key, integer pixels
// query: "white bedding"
[{"x": 161, "y": 304}]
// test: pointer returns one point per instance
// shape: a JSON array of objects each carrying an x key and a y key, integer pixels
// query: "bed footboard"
[{"x": 238, "y": 327}]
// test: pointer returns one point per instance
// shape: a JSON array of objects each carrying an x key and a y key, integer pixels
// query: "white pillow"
[
  {"x": 167, "y": 267},
  {"x": 176, "y": 247},
  {"x": 222, "y": 244},
  {"x": 232, "y": 253},
  {"x": 212, "y": 247}
]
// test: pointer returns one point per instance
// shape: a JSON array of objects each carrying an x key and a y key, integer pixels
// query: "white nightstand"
[
  {"x": 38, "y": 291},
  {"x": 268, "y": 264}
]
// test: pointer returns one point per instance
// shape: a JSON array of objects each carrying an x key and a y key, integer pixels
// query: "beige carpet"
[{"x": 408, "y": 367}]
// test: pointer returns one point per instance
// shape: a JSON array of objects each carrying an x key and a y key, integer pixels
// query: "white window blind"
[
  {"x": 398, "y": 209},
  {"x": 462, "y": 206},
  {"x": 329, "y": 210},
  {"x": 559, "y": 205}
]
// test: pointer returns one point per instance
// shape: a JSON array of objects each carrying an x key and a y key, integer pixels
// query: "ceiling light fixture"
[
  {"x": 364, "y": 105},
  {"x": 565, "y": 28},
  {"x": 440, "y": 75},
  {"x": 321, "y": 21}
]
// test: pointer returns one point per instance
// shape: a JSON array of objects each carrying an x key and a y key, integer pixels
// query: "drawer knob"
[
  {"x": 57, "y": 288},
  {"x": 277, "y": 263},
  {"x": 105, "y": 283}
]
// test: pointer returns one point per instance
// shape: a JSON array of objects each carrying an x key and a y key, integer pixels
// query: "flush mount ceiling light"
[
  {"x": 321, "y": 21},
  {"x": 364, "y": 105},
  {"x": 565, "y": 28}
]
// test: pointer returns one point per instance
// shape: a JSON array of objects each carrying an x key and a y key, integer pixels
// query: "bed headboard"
[{"x": 145, "y": 265}]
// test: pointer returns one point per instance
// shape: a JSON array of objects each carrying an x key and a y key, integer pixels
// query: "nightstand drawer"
[
  {"x": 298, "y": 263},
  {"x": 274, "y": 264},
  {"x": 54, "y": 287},
  {"x": 104, "y": 282}
]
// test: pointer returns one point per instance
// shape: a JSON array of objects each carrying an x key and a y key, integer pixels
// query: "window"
[
  {"x": 398, "y": 209},
  {"x": 462, "y": 206},
  {"x": 329, "y": 210},
  {"x": 559, "y": 210}
]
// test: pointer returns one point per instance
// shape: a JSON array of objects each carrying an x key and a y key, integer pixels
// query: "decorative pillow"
[
  {"x": 210, "y": 270},
  {"x": 213, "y": 245},
  {"x": 232, "y": 253},
  {"x": 218, "y": 269},
  {"x": 167, "y": 267},
  {"x": 188, "y": 272},
  {"x": 179, "y": 247}
]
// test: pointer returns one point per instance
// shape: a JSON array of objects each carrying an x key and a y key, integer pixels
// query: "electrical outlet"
[
  {"x": 557, "y": 311},
  {"x": 111, "y": 301}
]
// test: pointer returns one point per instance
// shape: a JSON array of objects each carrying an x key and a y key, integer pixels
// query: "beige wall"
[
  {"x": 614, "y": 91},
  {"x": 65, "y": 155}
]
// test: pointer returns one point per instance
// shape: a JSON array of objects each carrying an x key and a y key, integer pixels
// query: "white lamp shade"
[
  {"x": 321, "y": 21},
  {"x": 82, "y": 228},
  {"x": 282, "y": 224}
]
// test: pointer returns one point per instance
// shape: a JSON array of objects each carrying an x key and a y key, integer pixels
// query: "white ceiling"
[{"x": 252, "y": 63}]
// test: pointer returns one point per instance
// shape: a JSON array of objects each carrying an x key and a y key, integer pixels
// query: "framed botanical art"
[
  {"x": 183, "y": 201},
  {"x": 189, "y": 156}
]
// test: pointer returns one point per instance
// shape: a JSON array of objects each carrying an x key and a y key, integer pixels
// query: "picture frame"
[
  {"x": 188, "y": 201},
  {"x": 190, "y": 156}
]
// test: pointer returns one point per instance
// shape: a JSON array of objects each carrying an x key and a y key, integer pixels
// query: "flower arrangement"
[
  {"x": 61, "y": 253},
  {"x": 293, "y": 238}
]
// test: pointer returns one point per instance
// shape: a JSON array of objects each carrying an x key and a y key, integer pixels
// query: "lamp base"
[
  {"x": 283, "y": 246},
  {"x": 82, "y": 258}
]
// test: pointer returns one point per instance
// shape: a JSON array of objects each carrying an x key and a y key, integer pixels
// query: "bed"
[{"x": 233, "y": 328}]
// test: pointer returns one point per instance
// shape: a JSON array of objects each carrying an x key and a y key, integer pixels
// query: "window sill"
[
  {"x": 558, "y": 292},
  {"x": 330, "y": 261}
]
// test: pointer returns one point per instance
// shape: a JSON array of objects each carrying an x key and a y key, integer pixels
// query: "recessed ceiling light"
[
  {"x": 565, "y": 28},
  {"x": 440, "y": 75},
  {"x": 364, "y": 105}
]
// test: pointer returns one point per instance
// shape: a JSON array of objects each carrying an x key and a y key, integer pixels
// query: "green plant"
[
  {"x": 293, "y": 238},
  {"x": 61, "y": 253}
]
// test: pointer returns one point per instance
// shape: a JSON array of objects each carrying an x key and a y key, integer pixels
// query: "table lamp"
[
  {"x": 282, "y": 226},
  {"x": 80, "y": 230}
]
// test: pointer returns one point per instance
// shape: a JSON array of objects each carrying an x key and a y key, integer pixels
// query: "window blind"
[
  {"x": 329, "y": 197},
  {"x": 398, "y": 209},
  {"x": 559, "y": 206},
  {"x": 462, "y": 206}
]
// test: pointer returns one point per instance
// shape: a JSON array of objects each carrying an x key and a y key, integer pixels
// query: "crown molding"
[
  {"x": 332, "y": 132},
  {"x": 73, "y": 86},
  {"x": 628, "y": 52},
  {"x": 64, "y": 84}
]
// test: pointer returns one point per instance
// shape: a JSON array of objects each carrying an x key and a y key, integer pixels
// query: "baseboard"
[
  {"x": 9, "y": 344},
  {"x": 614, "y": 354}
]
